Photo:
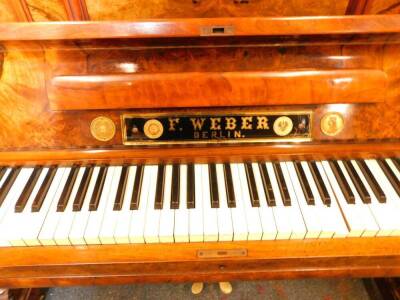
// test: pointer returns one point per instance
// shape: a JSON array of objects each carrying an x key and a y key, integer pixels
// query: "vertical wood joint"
[{"x": 76, "y": 10}]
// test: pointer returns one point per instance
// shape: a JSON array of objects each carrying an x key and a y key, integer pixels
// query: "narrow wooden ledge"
[
  {"x": 124, "y": 91},
  {"x": 202, "y": 154},
  {"x": 371, "y": 24}
]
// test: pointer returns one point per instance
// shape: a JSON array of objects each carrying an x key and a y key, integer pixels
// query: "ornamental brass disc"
[
  {"x": 153, "y": 129},
  {"x": 102, "y": 129},
  {"x": 283, "y": 126},
  {"x": 332, "y": 123}
]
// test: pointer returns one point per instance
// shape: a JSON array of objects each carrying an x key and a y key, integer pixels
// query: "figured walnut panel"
[
  {"x": 140, "y": 9},
  {"x": 47, "y": 10},
  {"x": 7, "y": 13},
  {"x": 382, "y": 7},
  {"x": 213, "y": 89}
]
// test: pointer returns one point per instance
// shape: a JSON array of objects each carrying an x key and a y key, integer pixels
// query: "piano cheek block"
[{"x": 250, "y": 88}]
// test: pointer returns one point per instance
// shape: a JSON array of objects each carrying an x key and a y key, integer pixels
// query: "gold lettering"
[
  {"x": 247, "y": 122},
  {"x": 196, "y": 135},
  {"x": 172, "y": 123},
  {"x": 197, "y": 123},
  {"x": 215, "y": 123},
  {"x": 238, "y": 134},
  {"x": 214, "y": 134},
  {"x": 262, "y": 123},
  {"x": 204, "y": 135},
  {"x": 230, "y": 123}
]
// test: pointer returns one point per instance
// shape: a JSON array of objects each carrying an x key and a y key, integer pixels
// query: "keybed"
[{"x": 169, "y": 203}]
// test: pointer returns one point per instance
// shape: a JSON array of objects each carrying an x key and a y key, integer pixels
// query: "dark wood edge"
[
  {"x": 282, "y": 151},
  {"x": 356, "y": 7},
  {"x": 371, "y": 24},
  {"x": 76, "y": 10}
]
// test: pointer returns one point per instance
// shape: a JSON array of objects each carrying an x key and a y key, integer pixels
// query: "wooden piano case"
[{"x": 57, "y": 77}]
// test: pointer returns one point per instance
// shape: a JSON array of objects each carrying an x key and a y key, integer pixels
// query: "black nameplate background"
[{"x": 184, "y": 132}]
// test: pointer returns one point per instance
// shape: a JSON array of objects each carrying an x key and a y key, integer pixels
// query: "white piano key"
[
  {"x": 370, "y": 225},
  {"x": 332, "y": 221},
  {"x": 136, "y": 232},
  {"x": 121, "y": 234},
  {"x": 46, "y": 235},
  {"x": 224, "y": 216},
  {"x": 266, "y": 213},
  {"x": 196, "y": 214},
  {"x": 167, "y": 215},
  {"x": 254, "y": 226},
  {"x": 299, "y": 229},
  {"x": 8, "y": 171},
  {"x": 93, "y": 227},
  {"x": 36, "y": 220},
  {"x": 77, "y": 233},
  {"x": 310, "y": 213},
  {"x": 67, "y": 216},
  {"x": 391, "y": 207},
  {"x": 354, "y": 220},
  {"x": 210, "y": 218},
  {"x": 181, "y": 215},
  {"x": 110, "y": 218},
  {"x": 393, "y": 168},
  {"x": 239, "y": 221},
  {"x": 281, "y": 212},
  {"x": 7, "y": 212},
  {"x": 24, "y": 217},
  {"x": 385, "y": 214},
  {"x": 152, "y": 219}
]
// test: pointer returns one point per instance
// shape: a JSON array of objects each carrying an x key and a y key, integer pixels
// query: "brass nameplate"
[
  {"x": 247, "y": 127},
  {"x": 221, "y": 253}
]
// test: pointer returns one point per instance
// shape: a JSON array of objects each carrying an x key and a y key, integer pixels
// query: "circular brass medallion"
[
  {"x": 332, "y": 123},
  {"x": 153, "y": 129},
  {"x": 102, "y": 129},
  {"x": 283, "y": 126}
]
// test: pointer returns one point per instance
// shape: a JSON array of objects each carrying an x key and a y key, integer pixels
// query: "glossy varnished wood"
[
  {"x": 180, "y": 262},
  {"x": 195, "y": 27}
]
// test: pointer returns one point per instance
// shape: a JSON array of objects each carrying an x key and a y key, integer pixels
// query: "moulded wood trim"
[{"x": 194, "y": 27}]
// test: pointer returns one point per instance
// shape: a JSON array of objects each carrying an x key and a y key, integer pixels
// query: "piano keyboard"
[{"x": 82, "y": 205}]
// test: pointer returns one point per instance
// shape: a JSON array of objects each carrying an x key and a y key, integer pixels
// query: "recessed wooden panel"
[
  {"x": 141, "y": 9},
  {"x": 382, "y": 7},
  {"x": 47, "y": 10}
]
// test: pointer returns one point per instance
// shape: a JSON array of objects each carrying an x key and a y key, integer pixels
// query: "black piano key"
[
  {"x": 360, "y": 187},
  {"x": 3, "y": 171},
  {"x": 98, "y": 188},
  {"x": 137, "y": 186},
  {"x": 8, "y": 183},
  {"x": 251, "y": 183},
  {"x": 66, "y": 193},
  {"x": 158, "y": 203},
  {"x": 323, "y": 191},
  {"x": 27, "y": 191},
  {"x": 269, "y": 193},
  {"x": 282, "y": 184},
  {"x": 175, "y": 187},
  {"x": 119, "y": 197},
  {"x": 304, "y": 183},
  {"x": 375, "y": 187},
  {"x": 344, "y": 186},
  {"x": 230, "y": 192},
  {"x": 191, "y": 200},
  {"x": 390, "y": 175},
  {"x": 41, "y": 195},
  {"x": 83, "y": 187},
  {"x": 214, "y": 196}
]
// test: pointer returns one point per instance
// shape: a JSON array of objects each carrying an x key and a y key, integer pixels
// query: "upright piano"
[{"x": 148, "y": 141}]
